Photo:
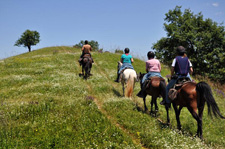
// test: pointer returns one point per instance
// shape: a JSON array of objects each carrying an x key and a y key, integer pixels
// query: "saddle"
[
  {"x": 86, "y": 56},
  {"x": 174, "y": 90},
  {"x": 153, "y": 81}
]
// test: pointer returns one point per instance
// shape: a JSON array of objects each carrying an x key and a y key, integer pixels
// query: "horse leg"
[
  {"x": 156, "y": 106},
  {"x": 200, "y": 114},
  {"x": 144, "y": 99},
  {"x": 82, "y": 69},
  {"x": 167, "y": 113},
  {"x": 198, "y": 118},
  {"x": 177, "y": 112},
  {"x": 123, "y": 88},
  {"x": 152, "y": 102}
]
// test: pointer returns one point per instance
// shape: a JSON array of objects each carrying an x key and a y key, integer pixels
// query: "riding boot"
[
  {"x": 80, "y": 61},
  {"x": 141, "y": 92},
  {"x": 118, "y": 77}
]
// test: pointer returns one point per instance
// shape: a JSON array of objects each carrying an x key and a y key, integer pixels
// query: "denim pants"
[
  {"x": 150, "y": 74},
  {"x": 171, "y": 84},
  {"x": 124, "y": 66}
]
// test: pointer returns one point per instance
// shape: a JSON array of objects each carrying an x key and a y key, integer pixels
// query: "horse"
[
  {"x": 128, "y": 79},
  {"x": 86, "y": 66},
  {"x": 193, "y": 96},
  {"x": 155, "y": 87}
]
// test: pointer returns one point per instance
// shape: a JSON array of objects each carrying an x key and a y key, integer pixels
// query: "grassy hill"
[{"x": 45, "y": 104}]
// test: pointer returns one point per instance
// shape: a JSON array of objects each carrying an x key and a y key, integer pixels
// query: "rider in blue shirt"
[{"x": 126, "y": 60}]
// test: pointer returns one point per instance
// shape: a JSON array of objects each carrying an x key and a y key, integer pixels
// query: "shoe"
[
  {"x": 116, "y": 81},
  {"x": 140, "y": 94},
  {"x": 163, "y": 102}
]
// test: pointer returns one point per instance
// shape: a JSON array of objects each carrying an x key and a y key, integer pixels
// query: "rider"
[
  {"x": 86, "y": 49},
  {"x": 181, "y": 67},
  {"x": 153, "y": 68},
  {"x": 126, "y": 60}
]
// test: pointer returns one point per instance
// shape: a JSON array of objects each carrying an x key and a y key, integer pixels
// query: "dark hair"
[
  {"x": 150, "y": 54},
  {"x": 181, "y": 50},
  {"x": 86, "y": 42},
  {"x": 126, "y": 50}
]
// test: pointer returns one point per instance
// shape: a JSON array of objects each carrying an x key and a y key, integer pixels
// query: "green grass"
[{"x": 45, "y": 104}]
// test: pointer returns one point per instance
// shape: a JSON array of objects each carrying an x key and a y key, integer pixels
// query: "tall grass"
[{"x": 45, "y": 104}]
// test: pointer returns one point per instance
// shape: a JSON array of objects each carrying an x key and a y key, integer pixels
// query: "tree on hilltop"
[
  {"x": 204, "y": 41},
  {"x": 28, "y": 39}
]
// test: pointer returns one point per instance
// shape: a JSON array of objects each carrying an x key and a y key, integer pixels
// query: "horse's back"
[
  {"x": 129, "y": 73},
  {"x": 187, "y": 95}
]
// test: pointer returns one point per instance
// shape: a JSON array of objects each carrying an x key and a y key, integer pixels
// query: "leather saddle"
[
  {"x": 154, "y": 81},
  {"x": 179, "y": 83}
]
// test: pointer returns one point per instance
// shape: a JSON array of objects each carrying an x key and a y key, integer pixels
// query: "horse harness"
[{"x": 173, "y": 92}]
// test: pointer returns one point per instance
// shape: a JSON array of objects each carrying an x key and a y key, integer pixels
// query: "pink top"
[{"x": 153, "y": 65}]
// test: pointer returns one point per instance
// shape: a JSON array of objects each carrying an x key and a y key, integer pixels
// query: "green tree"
[
  {"x": 92, "y": 43},
  {"x": 28, "y": 39},
  {"x": 204, "y": 41}
]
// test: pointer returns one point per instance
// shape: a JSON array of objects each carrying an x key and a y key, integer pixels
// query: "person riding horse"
[
  {"x": 153, "y": 68},
  {"x": 181, "y": 67},
  {"x": 126, "y": 60},
  {"x": 86, "y": 51}
]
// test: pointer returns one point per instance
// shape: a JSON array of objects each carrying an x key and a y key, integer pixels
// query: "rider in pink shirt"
[
  {"x": 153, "y": 65},
  {"x": 153, "y": 68}
]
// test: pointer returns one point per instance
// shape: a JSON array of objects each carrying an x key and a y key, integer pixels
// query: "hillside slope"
[{"x": 45, "y": 104}]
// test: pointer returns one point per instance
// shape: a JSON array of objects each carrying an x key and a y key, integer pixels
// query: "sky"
[{"x": 114, "y": 24}]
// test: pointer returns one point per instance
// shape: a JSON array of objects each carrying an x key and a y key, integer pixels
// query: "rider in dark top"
[{"x": 181, "y": 67}]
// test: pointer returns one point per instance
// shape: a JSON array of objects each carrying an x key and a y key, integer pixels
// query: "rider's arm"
[
  {"x": 132, "y": 60},
  {"x": 172, "y": 71},
  {"x": 191, "y": 71}
]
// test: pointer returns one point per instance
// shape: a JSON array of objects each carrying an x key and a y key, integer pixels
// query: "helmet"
[
  {"x": 151, "y": 54},
  {"x": 181, "y": 50},
  {"x": 126, "y": 50}
]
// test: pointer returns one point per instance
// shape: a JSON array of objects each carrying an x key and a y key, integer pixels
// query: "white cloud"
[{"x": 215, "y": 4}]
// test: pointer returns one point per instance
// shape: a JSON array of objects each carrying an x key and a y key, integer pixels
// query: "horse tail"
[
  {"x": 130, "y": 85},
  {"x": 205, "y": 93}
]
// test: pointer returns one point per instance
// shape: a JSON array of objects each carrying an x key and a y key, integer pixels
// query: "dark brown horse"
[
  {"x": 193, "y": 96},
  {"x": 86, "y": 66},
  {"x": 154, "y": 87}
]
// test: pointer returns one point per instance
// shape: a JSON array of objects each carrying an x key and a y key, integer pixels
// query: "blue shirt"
[{"x": 126, "y": 58}]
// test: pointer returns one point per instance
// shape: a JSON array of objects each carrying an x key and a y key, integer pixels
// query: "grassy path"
[{"x": 99, "y": 103}]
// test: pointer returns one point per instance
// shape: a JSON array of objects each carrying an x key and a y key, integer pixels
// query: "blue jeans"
[
  {"x": 150, "y": 74},
  {"x": 124, "y": 66},
  {"x": 171, "y": 84}
]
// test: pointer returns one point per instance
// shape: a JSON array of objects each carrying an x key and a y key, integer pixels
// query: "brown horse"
[
  {"x": 86, "y": 66},
  {"x": 155, "y": 87},
  {"x": 193, "y": 96}
]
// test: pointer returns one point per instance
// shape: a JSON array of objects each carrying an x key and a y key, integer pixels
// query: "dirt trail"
[{"x": 99, "y": 104}]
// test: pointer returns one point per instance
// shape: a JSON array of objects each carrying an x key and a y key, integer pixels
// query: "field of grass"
[{"x": 45, "y": 104}]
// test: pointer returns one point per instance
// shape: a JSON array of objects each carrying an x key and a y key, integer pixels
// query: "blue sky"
[{"x": 135, "y": 24}]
